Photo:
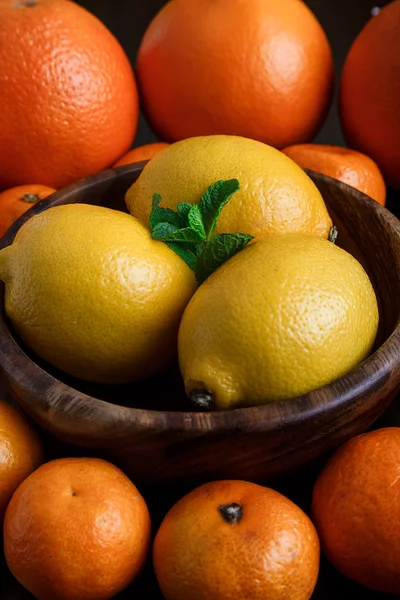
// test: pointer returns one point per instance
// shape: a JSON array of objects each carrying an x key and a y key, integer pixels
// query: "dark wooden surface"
[{"x": 342, "y": 20}]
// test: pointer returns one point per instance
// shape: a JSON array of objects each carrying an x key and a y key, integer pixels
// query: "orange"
[
  {"x": 370, "y": 92},
  {"x": 15, "y": 201},
  {"x": 351, "y": 167},
  {"x": 260, "y": 69},
  {"x": 21, "y": 452},
  {"x": 140, "y": 153},
  {"x": 76, "y": 529},
  {"x": 233, "y": 540},
  {"x": 355, "y": 508},
  {"x": 69, "y": 104}
]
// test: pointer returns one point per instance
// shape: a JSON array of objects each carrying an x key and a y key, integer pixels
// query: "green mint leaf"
[
  {"x": 184, "y": 235},
  {"x": 163, "y": 230},
  {"x": 214, "y": 200},
  {"x": 183, "y": 251},
  {"x": 196, "y": 221},
  {"x": 183, "y": 211},
  {"x": 197, "y": 248},
  {"x": 163, "y": 215},
  {"x": 169, "y": 233},
  {"x": 217, "y": 251}
]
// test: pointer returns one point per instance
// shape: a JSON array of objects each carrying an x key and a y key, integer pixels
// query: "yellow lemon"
[
  {"x": 284, "y": 316},
  {"x": 276, "y": 195},
  {"x": 91, "y": 293}
]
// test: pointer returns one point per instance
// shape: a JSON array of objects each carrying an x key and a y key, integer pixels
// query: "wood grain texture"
[{"x": 147, "y": 428}]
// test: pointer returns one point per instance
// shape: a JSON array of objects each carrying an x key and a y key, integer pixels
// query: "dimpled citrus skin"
[
  {"x": 90, "y": 292},
  {"x": 284, "y": 316},
  {"x": 275, "y": 194},
  {"x": 369, "y": 92},
  {"x": 76, "y": 529},
  {"x": 68, "y": 98},
  {"x": 355, "y": 507},
  {"x": 351, "y": 167},
  {"x": 272, "y": 552},
  {"x": 258, "y": 68},
  {"x": 21, "y": 452}
]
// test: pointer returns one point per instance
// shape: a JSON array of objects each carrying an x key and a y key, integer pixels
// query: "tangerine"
[
  {"x": 234, "y": 540},
  {"x": 21, "y": 452},
  {"x": 76, "y": 529},
  {"x": 16, "y": 201},
  {"x": 346, "y": 165}
]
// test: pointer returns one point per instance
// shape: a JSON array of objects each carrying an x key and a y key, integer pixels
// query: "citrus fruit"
[
  {"x": 346, "y": 165},
  {"x": 89, "y": 291},
  {"x": 355, "y": 508},
  {"x": 140, "y": 153},
  {"x": 369, "y": 95},
  {"x": 69, "y": 104},
  {"x": 275, "y": 195},
  {"x": 284, "y": 316},
  {"x": 15, "y": 201},
  {"x": 21, "y": 452},
  {"x": 76, "y": 529},
  {"x": 236, "y": 540},
  {"x": 261, "y": 69}
]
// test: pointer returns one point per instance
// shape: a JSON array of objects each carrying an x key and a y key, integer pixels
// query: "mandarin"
[
  {"x": 21, "y": 452},
  {"x": 234, "y": 540},
  {"x": 346, "y": 165},
  {"x": 14, "y": 202},
  {"x": 76, "y": 529}
]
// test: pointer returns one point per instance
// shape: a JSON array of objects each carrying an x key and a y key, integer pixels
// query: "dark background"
[{"x": 342, "y": 21}]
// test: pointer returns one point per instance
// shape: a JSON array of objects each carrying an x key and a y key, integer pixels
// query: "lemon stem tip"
[
  {"x": 202, "y": 399},
  {"x": 333, "y": 233}
]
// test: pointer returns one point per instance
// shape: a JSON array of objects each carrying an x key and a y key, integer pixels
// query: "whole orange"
[
  {"x": 68, "y": 96},
  {"x": 140, "y": 153},
  {"x": 355, "y": 508},
  {"x": 76, "y": 529},
  {"x": 351, "y": 167},
  {"x": 370, "y": 92},
  {"x": 16, "y": 201},
  {"x": 260, "y": 69},
  {"x": 21, "y": 452},
  {"x": 234, "y": 540}
]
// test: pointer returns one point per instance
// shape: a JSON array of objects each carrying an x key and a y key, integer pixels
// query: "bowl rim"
[{"x": 357, "y": 383}]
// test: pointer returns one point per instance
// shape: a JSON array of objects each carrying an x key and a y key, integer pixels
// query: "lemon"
[
  {"x": 284, "y": 316},
  {"x": 91, "y": 293},
  {"x": 276, "y": 195}
]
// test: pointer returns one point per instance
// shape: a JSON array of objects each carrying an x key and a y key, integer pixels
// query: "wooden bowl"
[{"x": 129, "y": 424}]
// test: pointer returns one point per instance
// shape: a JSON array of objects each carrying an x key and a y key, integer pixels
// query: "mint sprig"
[
  {"x": 214, "y": 200},
  {"x": 217, "y": 251},
  {"x": 190, "y": 230}
]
